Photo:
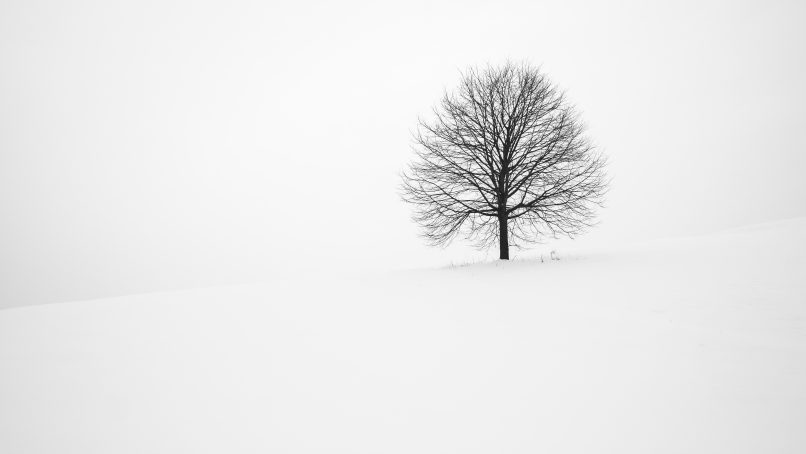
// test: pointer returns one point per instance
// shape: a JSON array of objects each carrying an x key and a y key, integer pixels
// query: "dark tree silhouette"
[{"x": 506, "y": 159}]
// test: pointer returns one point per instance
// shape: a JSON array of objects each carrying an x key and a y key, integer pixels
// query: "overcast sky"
[{"x": 155, "y": 145}]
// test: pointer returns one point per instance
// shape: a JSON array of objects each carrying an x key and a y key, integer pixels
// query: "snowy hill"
[{"x": 694, "y": 345}]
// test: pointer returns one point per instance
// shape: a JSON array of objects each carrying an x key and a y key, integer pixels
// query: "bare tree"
[{"x": 505, "y": 158}]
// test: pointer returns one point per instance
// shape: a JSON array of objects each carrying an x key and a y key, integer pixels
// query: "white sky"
[{"x": 152, "y": 145}]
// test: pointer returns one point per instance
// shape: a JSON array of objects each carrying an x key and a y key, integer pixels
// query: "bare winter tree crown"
[{"x": 504, "y": 159}]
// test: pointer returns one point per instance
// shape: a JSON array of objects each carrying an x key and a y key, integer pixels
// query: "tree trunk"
[{"x": 503, "y": 238}]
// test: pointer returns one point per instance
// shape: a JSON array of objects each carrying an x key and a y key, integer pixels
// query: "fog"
[{"x": 158, "y": 145}]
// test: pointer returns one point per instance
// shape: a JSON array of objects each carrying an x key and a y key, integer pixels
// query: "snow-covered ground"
[{"x": 692, "y": 345}]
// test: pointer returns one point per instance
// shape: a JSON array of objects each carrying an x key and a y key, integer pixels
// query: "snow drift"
[{"x": 693, "y": 345}]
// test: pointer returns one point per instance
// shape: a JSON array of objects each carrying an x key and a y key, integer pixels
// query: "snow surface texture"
[{"x": 693, "y": 345}]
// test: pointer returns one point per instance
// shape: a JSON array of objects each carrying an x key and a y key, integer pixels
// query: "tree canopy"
[{"x": 504, "y": 159}]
